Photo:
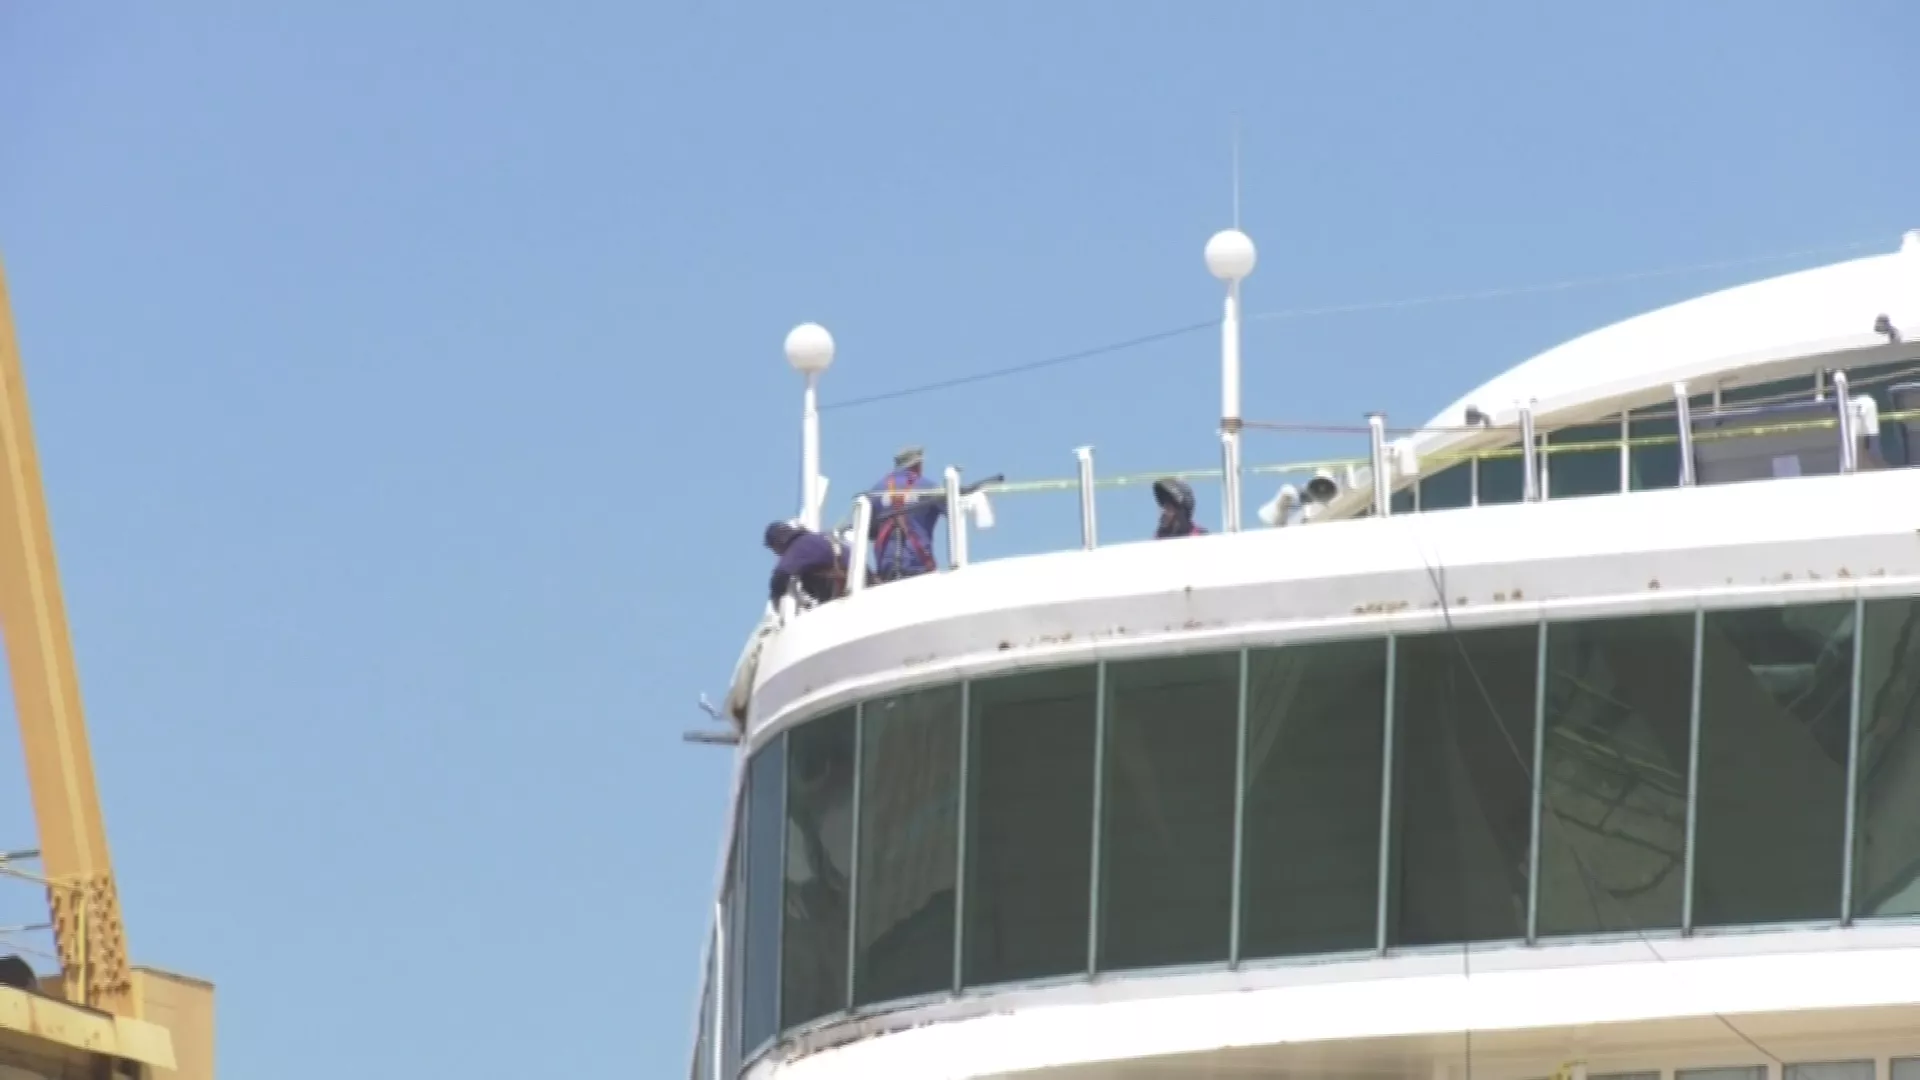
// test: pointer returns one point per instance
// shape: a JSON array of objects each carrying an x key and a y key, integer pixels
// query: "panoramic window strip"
[
  {"x": 1787, "y": 427},
  {"x": 1562, "y": 780}
]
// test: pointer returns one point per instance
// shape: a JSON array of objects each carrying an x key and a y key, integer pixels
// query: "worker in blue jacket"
[
  {"x": 903, "y": 522},
  {"x": 815, "y": 561}
]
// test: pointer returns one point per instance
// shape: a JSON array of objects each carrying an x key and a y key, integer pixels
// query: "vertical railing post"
[
  {"x": 1849, "y": 446},
  {"x": 1683, "y": 424},
  {"x": 857, "y": 544},
  {"x": 1382, "y": 478},
  {"x": 1626, "y": 450},
  {"x": 956, "y": 522},
  {"x": 1529, "y": 456},
  {"x": 1230, "y": 489},
  {"x": 1089, "y": 527}
]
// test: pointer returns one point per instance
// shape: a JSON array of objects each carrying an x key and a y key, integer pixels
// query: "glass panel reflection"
[
  {"x": 1614, "y": 774},
  {"x": 1829, "y": 1070},
  {"x": 1448, "y": 489},
  {"x": 819, "y": 863},
  {"x": 1797, "y": 388},
  {"x": 909, "y": 836},
  {"x": 703, "y": 1037},
  {"x": 1886, "y": 852},
  {"x": 1502, "y": 478},
  {"x": 1316, "y": 715},
  {"x": 736, "y": 908},
  {"x": 1166, "y": 831},
  {"x": 1463, "y": 793},
  {"x": 1776, "y": 684},
  {"x": 766, "y": 820},
  {"x": 1654, "y": 459},
  {"x": 1592, "y": 469},
  {"x": 1029, "y": 826}
]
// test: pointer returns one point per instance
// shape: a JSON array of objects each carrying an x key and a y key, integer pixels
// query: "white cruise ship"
[{"x": 1574, "y": 734}]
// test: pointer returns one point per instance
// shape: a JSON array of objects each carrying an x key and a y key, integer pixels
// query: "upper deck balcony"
[
  {"x": 1430, "y": 754},
  {"x": 1740, "y": 385}
]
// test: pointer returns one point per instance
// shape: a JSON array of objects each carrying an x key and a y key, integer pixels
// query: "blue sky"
[{"x": 408, "y": 385}]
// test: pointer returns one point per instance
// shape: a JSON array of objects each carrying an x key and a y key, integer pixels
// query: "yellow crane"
[{"x": 134, "y": 1018}]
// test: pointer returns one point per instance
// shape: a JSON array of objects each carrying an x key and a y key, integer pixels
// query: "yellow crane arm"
[{"x": 85, "y": 903}]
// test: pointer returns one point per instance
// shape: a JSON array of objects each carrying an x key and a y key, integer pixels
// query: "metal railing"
[{"x": 1391, "y": 468}]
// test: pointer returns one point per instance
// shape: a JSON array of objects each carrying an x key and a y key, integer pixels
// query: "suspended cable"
[
  {"x": 1021, "y": 369},
  {"x": 1344, "y": 309}
]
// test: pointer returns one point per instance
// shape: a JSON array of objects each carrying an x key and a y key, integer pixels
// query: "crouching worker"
[
  {"x": 813, "y": 560},
  {"x": 1176, "y": 509}
]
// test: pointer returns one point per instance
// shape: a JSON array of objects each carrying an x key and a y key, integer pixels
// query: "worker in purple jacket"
[{"x": 813, "y": 560}]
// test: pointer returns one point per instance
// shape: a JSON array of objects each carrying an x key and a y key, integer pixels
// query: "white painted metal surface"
[
  {"x": 1739, "y": 331},
  {"x": 1502, "y": 990},
  {"x": 1807, "y": 538}
]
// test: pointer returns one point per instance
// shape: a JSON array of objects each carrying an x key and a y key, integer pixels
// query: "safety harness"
[{"x": 896, "y": 502}]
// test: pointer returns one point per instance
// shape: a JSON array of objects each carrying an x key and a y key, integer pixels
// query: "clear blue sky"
[{"x": 409, "y": 390}]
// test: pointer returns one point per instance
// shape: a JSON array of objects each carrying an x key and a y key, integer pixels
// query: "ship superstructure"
[{"x": 1575, "y": 733}]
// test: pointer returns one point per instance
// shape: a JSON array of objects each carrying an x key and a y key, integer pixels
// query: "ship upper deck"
[
  {"x": 1596, "y": 707},
  {"x": 1740, "y": 385}
]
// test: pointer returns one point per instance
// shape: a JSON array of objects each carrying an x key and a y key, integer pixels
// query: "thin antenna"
[{"x": 1236, "y": 172}]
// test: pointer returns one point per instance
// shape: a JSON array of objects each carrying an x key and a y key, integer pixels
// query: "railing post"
[
  {"x": 1230, "y": 474},
  {"x": 1529, "y": 457},
  {"x": 1382, "y": 479},
  {"x": 1683, "y": 423},
  {"x": 956, "y": 522},
  {"x": 857, "y": 545},
  {"x": 1849, "y": 448},
  {"x": 1089, "y": 533}
]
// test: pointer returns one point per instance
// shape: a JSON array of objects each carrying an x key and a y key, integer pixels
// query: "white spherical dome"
[
  {"x": 809, "y": 348},
  {"x": 1230, "y": 255}
]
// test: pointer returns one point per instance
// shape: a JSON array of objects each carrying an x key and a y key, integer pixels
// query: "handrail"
[
  {"x": 1383, "y": 465},
  {"x": 1308, "y": 465}
]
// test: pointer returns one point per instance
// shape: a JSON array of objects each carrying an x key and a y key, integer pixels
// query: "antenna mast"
[{"x": 1236, "y": 172}]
